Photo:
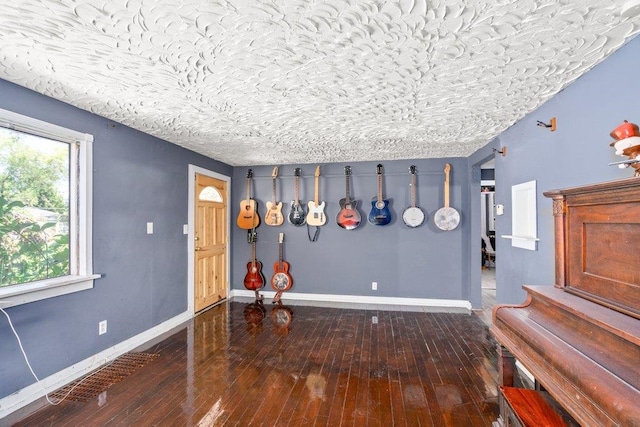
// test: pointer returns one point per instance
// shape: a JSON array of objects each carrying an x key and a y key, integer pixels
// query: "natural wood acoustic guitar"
[{"x": 248, "y": 218}]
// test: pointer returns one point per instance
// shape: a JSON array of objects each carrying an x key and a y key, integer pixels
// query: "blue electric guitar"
[
  {"x": 297, "y": 216},
  {"x": 380, "y": 213}
]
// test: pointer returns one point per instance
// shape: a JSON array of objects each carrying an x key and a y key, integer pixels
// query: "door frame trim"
[{"x": 193, "y": 170}]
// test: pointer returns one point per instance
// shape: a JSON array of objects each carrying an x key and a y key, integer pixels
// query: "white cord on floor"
[{"x": 26, "y": 359}]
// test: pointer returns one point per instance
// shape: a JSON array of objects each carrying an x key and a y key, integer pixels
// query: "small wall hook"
[
  {"x": 551, "y": 126},
  {"x": 502, "y": 151}
]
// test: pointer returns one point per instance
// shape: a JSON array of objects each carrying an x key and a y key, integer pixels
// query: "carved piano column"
[{"x": 560, "y": 236}]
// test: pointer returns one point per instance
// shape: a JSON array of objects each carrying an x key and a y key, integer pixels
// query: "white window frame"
[{"x": 81, "y": 275}]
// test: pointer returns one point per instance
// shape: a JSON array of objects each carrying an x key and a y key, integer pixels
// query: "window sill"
[{"x": 35, "y": 291}]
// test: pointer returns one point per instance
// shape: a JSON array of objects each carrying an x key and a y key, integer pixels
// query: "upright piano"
[{"x": 580, "y": 338}]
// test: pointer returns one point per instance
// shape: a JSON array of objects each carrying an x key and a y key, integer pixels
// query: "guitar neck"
[
  {"x": 253, "y": 255},
  {"x": 274, "y": 191},
  {"x": 315, "y": 196},
  {"x": 296, "y": 190},
  {"x": 348, "y": 190},
  {"x": 379, "y": 188},
  {"x": 413, "y": 191},
  {"x": 446, "y": 185}
]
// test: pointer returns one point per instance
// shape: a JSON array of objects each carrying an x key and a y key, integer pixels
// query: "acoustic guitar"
[
  {"x": 254, "y": 279},
  {"x": 348, "y": 217},
  {"x": 316, "y": 214},
  {"x": 281, "y": 280},
  {"x": 297, "y": 215},
  {"x": 379, "y": 213},
  {"x": 248, "y": 218},
  {"x": 274, "y": 215},
  {"x": 413, "y": 216}
]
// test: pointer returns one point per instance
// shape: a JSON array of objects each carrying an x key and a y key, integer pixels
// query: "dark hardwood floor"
[{"x": 328, "y": 367}]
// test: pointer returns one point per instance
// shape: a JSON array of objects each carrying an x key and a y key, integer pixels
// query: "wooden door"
[{"x": 210, "y": 246}]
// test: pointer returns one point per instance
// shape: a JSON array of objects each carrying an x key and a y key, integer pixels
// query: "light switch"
[
  {"x": 149, "y": 228},
  {"x": 499, "y": 209},
  {"x": 185, "y": 228}
]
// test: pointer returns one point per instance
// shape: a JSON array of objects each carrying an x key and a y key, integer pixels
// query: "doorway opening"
[{"x": 488, "y": 234}]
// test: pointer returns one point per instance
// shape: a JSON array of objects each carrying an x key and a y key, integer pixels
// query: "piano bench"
[{"x": 523, "y": 407}]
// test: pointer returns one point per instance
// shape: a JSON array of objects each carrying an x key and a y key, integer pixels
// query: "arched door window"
[{"x": 210, "y": 194}]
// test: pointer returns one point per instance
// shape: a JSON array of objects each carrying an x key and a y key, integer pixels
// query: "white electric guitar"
[
  {"x": 316, "y": 214},
  {"x": 274, "y": 215}
]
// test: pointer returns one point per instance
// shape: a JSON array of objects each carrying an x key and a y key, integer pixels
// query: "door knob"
[{"x": 198, "y": 248}]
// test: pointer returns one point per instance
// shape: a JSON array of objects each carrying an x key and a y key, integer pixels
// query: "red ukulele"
[
  {"x": 281, "y": 280},
  {"x": 254, "y": 280}
]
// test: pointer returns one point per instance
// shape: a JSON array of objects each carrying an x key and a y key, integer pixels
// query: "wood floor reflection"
[{"x": 238, "y": 365}]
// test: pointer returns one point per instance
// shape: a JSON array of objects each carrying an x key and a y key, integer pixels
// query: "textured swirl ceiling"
[{"x": 299, "y": 81}]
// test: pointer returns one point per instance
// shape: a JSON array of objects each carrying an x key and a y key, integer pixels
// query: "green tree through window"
[{"x": 34, "y": 208}]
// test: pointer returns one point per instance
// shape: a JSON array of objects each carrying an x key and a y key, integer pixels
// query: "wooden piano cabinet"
[
  {"x": 597, "y": 242},
  {"x": 580, "y": 338}
]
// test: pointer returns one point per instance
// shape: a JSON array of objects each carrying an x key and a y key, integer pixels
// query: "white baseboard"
[
  {"x": 33, "y": 392},
  {"x": 359, "y": 299}
]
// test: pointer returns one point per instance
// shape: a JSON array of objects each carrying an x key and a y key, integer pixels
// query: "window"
[
  {"x": 210, "y": 194},
  {"x": 45, "y": 210}
]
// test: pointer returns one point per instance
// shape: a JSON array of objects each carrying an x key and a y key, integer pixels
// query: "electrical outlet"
[
  {"x": 374, "y": 286},
  {"x": 102, "y": 327},
  {"x": 374, "y": 320}
]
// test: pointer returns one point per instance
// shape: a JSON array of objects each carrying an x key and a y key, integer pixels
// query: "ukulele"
[
  {"x": 281, "y": 280},
  {"x": 254, "y": 279},
  {"x": 348, "y": 217},
  {"x": 274, "y": 215},
  {"x": 316, "y": 214},
  {"x": 248, "y": 217},
  {"x": 413, "y": 216},
  {"x": 380, "y": 213},
  {"x": 297, "y": 214}
]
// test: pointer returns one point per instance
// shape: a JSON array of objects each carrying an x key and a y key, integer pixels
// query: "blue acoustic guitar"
[
  {"x": 380, "y": 213},
  {"x": 297, "y": 216}
]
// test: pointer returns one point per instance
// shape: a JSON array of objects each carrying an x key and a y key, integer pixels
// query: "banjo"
[
  {"x": 446, "y": 218},
  {"x": 413, "y": 216}
]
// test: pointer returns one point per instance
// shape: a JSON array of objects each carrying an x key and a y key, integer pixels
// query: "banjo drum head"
[
  {"x": 447, "y": 218},
  {"x": 413, "y": 216}
]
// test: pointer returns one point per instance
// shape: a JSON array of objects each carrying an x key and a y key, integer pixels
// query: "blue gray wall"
[
  {"x": 137, "y": 178},
  {"x": 577, "y": 153},
  {"x": 421, "y": 262}
]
